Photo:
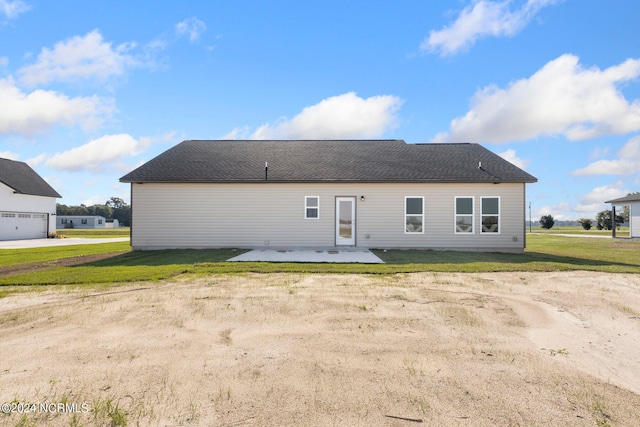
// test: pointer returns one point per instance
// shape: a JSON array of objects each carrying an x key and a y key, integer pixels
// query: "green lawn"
[
  {"x": 97, "y": 233},
  {"x": 620, "y": 231},
  {"x": 545, "y": 252}
]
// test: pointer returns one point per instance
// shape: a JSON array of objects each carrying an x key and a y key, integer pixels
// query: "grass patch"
[
  {"x": 622, "y": 231},
  {"x": 545, "y": 252},
  {"x": 94, "y": 233},
  {"x": 9, "y": 257}
]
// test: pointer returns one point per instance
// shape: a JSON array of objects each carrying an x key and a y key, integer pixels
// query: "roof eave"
[{"x": 330, "y": 181}]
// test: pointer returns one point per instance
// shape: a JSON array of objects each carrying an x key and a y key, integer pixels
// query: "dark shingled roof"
[
  {"x": 24, "y": 180},
  {"x": 630, "y": 198},
  {"x": 326, "y": 161}
]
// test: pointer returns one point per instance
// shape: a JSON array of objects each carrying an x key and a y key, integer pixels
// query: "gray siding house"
[
  {"x": 81, "y": 221},
  {"x": 319, "y": 194},
  {"x": 27, "y": 203},
  {"x": 633, "y": 201}
]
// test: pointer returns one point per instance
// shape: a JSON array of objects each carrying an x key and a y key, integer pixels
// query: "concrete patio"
[{"x": 362, "y": 256}]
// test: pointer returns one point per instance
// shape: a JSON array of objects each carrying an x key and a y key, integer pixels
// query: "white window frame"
[
  {"x": 499, "y": 215},
  {"x": 456, "y": 214},
  {"x": 406, "y": 215},
  {"x": 306, "y": 206}
]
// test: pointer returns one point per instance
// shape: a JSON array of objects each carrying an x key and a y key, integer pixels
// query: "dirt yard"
[{"x": 509, "y": 349}]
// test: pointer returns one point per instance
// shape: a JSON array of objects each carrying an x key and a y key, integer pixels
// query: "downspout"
[
  {"x": 613, "y": 221},
  {"x": 524, "y": 215},
  {"x": 131, "y": 216}
]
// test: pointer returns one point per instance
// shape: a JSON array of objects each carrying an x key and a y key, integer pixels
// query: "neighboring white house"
[
  {"x": 80, "y": 221},
  {"x": 633, "y": 201},
  {"x": 27, "y": 203},
  {"x": 369, "y": 194}
]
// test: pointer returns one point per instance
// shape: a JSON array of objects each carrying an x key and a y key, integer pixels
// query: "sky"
[{"x": 91, "y": 90}]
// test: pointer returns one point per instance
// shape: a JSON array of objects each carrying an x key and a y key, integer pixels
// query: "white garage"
[
  {"x": 23, "y": 225},
  {"x": 27, "y": 203}
]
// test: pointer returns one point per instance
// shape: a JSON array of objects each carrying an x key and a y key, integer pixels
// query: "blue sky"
[{"x": 91, "y": 90}]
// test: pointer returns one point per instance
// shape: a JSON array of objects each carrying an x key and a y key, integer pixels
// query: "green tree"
[
  {"x": 603, "y": 220},
  {"x": 121, "y": 211},
  {"x": 586, "y": 223},
  {"x": 547, "y": 221},
  {"x": 116, "y": 203},
  {"x": 114, "y": 208}
]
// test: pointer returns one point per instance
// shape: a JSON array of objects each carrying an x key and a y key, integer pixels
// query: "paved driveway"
[{"x": 43, "y": 243}]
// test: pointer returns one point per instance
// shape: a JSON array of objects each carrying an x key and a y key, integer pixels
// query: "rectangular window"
[
  {"x": 83, "y": 221},
  {"x": 490, "y": 214},
  {"x": 63, "y": 221},
  {"x": 464, "y": 215},
  {"x": 24, "y": 216},
  {"x": 311, "y": 207},
  {"x": 8, "y": 215},
  {"x": 413, "y": 215},
  {"x": 99, "y": 221}
]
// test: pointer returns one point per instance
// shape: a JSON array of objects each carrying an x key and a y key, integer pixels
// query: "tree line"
[
  {"x": 604, "y": 220},
  {"x": 114, "y": 208}
]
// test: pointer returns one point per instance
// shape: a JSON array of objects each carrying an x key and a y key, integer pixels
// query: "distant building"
[
  {"x": 112, "y": 223},
  {"x": 80, "y": 221}
]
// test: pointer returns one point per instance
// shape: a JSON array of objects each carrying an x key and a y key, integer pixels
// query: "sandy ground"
[{"x": 509, "y": 349}]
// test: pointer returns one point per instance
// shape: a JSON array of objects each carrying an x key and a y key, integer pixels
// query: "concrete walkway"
[
  {"x": 362, "y": 256},
  {"x": 43, "y": 243}
]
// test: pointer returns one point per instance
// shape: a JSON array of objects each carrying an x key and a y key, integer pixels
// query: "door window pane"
[{"x": 346, "y": 219}]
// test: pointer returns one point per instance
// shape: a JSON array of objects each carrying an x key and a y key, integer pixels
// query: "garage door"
[{"x": 22, "y": 225}]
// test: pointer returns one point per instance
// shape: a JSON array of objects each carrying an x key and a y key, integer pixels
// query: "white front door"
[{"x": 345, "y": 221}]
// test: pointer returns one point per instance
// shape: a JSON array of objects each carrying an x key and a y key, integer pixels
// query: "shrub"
[
  {"x": 547, "y": 221},
  {"x": 586, "y": 223}
]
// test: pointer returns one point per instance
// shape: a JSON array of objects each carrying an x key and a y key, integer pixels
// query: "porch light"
[{"x": 362, "y": 198}]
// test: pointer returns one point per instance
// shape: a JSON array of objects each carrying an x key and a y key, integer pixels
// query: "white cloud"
[
  {"x": 80, "y": 57},
  {"x": 510, "y": 156},
  {"x": 8, "y": 155},
  {"x": 559, "y": 211},
  {"x": 627, "y": 163},
  {"x": 193, "y": 27},
  {"x": 99, "y": 154},
  {"x": 338, "y": 117},
  {"x": 562, "y": 98},
  {"x": 11, "y": 9},
  {"x": 481, "y": 19},
  {"x": 38, "y": 111},
  {"x": 593, "y": 202},
  {"x": 243, "y": 132},
  {"x": 35, "y": 161},
  {"x": 95, "y": 200}
]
